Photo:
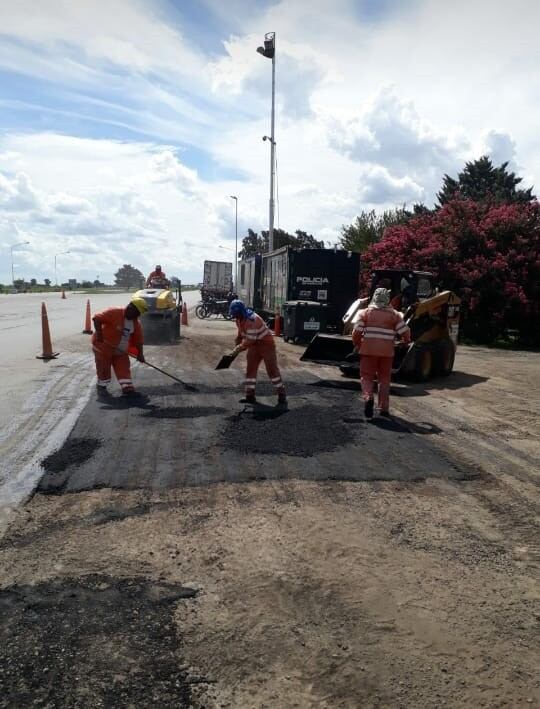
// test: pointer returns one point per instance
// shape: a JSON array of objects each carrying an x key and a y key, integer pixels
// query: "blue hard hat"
[{"x": 237, "y": 309}]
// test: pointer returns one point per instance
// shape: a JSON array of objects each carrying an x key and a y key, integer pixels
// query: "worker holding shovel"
[
  {"x": 118, "y": 335},
  {"x": 255, "y": 337}
]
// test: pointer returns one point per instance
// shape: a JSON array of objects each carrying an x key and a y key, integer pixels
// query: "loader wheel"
[
  {"x": 444, "y": 359},
  {"x": 424, "y": 365}
]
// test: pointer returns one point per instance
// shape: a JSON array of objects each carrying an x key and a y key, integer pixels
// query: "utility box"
[{"x": 302, "y": 319}]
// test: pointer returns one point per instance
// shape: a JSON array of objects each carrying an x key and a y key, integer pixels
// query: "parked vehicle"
[
  {"x": 217, "y": 280},
  {"x": 249, "y": 281},
  {"x": 326, "y": 276},
  {"x": 213, "y": 307},
  {"x": 433, "y": 318}
]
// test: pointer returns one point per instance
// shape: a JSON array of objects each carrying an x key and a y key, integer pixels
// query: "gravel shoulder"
[{"x": 396, "y": 568}]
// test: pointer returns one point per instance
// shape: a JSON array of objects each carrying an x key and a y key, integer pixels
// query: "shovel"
[
  {"x": 226, "y": 361},
  {"x": 188, "y": 387}
]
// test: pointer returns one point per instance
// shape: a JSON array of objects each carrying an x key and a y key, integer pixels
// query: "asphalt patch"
[
  {"x": 299, "y": 432},
  {"x": 183, "y": 412},
  {"x": 345, "y": 385},
  {"x": 94, "y": 641},
  {"x": 74, "y": 452}
]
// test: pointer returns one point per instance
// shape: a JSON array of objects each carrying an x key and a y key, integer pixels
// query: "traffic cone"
[
  {"x": 63, "y": 294},
  {"x": 46, "y": 336},
  {"x": 184, "y": 315},
  {"x": 277, "y": 325},
  {"x": 88, "y": 322}
]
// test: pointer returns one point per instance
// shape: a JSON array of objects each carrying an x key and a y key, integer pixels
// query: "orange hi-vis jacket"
[
  {"x": 158, "y": 275},
  {"x": 253, "y": 330},
  {"x": 376, "y": 330},
  {"x": 112, "y": 327}
]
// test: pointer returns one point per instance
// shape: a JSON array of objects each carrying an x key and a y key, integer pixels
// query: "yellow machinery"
[
  {"x": 432, "y": 316},
  {"x": 161, "y": 323}
]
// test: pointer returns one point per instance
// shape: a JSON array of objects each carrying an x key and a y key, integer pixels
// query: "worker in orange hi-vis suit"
[
  {"x": 118, "y": 333},
  {"x": 158, "y": 276},
  {"x": 255, "y": 337},
  {"x": 374, "y": 336}
]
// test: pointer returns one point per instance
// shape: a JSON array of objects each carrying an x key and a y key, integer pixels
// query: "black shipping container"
[
  {"x": 322, "y": 275},
  {"x": 303, "y": 319},
  {"x": 249, "y": 282}
]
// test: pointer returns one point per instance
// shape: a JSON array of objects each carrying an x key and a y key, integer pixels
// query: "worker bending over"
[
  {"x": 374, "y": 336},
  {"x": 118, "y": 334},
  {"x": 255, "y": 337}
]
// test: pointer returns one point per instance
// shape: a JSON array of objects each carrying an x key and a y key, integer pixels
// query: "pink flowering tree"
[{"x": 487, "y": 252}]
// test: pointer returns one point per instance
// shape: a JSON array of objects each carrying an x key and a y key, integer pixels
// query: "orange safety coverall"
[
  {"x": 158, "y": 275},
  {"x": 374, "y": 335},
  {"x": 106, "y": 353},
  {"x": 257, "y": 339}
]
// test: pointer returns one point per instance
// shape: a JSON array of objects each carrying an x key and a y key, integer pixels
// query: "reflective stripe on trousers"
[
  {"x": 263, "y": 352},
  {"x": 106, "y": 359},
  {"x": 380, "y": 367}
]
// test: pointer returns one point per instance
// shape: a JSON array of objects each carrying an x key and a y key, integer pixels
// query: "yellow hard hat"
[{"x": 140, "y": 304}]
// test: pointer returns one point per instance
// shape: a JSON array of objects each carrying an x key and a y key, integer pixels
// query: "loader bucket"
[{"x": 328, "y": 349}]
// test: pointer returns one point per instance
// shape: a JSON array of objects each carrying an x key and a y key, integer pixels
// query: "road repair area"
[{"x": 186, "y": 550}]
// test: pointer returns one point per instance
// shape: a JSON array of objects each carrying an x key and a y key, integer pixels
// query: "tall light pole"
[
  {"x": 235, "y": 244},
  {"x": 20, "y": 243},
  {"x": 269, "y": 51},
  {"x": 60, "y": 254}
]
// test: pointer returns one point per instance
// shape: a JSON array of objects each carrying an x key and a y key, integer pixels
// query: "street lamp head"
[
  {"x": 269, "y": 48},
  {"x": 232, "y": 196}
]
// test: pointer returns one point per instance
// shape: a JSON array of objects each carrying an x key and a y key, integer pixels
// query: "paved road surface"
[
  {"x": 229, "y": 556},
  {"x": 40, "y": 401}
]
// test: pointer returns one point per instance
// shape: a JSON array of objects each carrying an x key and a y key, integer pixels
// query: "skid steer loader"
[{"x": 432, "y": 316}]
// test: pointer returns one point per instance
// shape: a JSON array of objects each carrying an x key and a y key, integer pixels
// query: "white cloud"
[
  {"x": 128, "y": 33},
  {"x": 165, "y": 167},
  {"x": 378, "y": 186},
  {"x": 16, "y": 193}
]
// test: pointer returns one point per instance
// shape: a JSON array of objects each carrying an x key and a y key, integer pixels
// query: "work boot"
[
  {"x": 386, "y": 414},
  {"x": 248, "y": 399},
  {"x": 368, "y": 409},
  {"x": 282, "y": 399},
  {"x": 130, "y": 393},
  {"x": 102, "y": 391}
]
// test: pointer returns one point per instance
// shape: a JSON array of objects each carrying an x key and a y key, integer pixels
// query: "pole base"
[{"x": 48, "y": 356}]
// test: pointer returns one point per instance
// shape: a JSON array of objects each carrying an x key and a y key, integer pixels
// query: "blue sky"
[{"x": 126, "y": 125}]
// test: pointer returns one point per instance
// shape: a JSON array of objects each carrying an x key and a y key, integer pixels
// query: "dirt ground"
[{"x": 168, "y": 560}]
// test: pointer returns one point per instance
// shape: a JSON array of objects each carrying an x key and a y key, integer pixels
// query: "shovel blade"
[{"x": 225, "y": 362}]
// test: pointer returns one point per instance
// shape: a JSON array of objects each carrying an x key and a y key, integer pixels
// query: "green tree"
[
  {"x": 47, "y": 282},
  {"x": 368, "y": 227},
  {"x": 480, "y": 181},
  {"x": 251, "y": 244},
  {"x": 129, "y": 277},
  {"x": 254, "y": 243},
  {"x": 33, "y": 282}
]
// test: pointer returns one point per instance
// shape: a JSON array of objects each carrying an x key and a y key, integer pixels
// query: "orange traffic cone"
[
  {"x": 46, "y": 336},
  {"x": 277, "y": 325},
  {"x": 63, "y": 294},
  {"x": 184, "y": 315},
  {"x": 88, "y": 322}
]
